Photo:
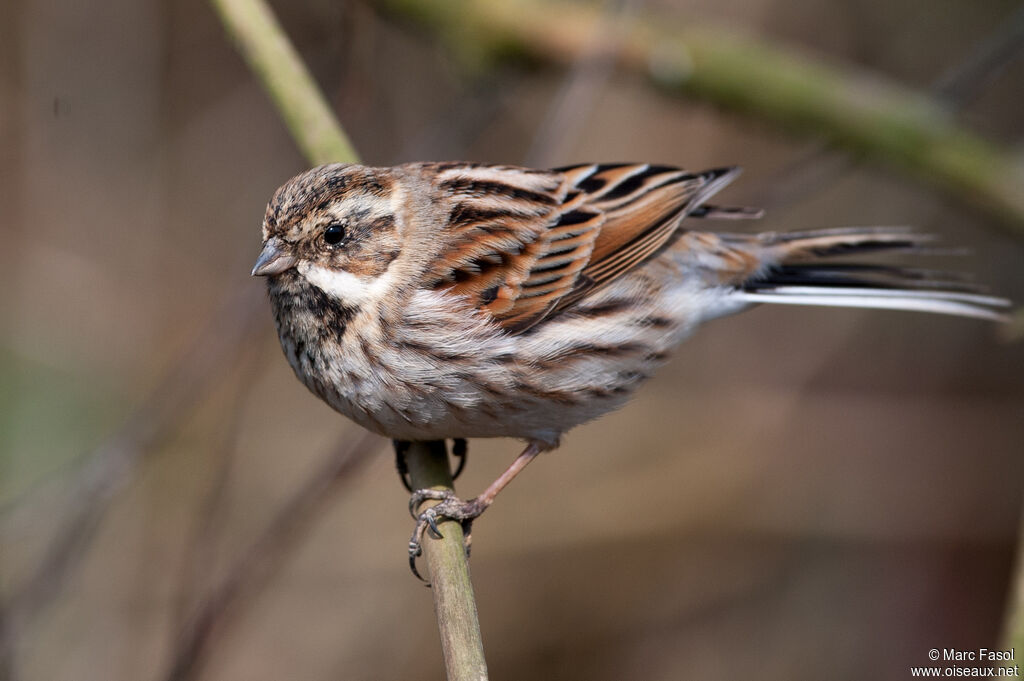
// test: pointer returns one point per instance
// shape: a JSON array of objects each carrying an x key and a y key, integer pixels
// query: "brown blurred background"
[{"x": 799, "y": 494}]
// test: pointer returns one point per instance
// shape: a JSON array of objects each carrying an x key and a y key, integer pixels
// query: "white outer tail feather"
[{"x": 939, "y": 302}]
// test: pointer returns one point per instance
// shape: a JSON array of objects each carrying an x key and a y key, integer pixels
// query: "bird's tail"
[{"x": 810, "y": 268}]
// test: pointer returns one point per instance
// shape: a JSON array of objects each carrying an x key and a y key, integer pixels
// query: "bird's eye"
[{"x": 334, "y": 234}]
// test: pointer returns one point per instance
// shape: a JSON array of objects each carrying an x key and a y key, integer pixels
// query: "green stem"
[
  {"x": 259, "y": 37},
  {"x": 454, "y": 602}
]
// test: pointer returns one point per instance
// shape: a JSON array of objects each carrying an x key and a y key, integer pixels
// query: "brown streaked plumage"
[{"x": 453, "y": 300}]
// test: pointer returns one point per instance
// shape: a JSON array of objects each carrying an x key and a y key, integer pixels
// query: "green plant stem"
[
  {"x": 454, "y": 602},
  {"x": 855, "y": 111},
  {"x": 276, "y": 64},
  {"x": 261, "y": 41},
  {"x": 1013, "y": 633}
]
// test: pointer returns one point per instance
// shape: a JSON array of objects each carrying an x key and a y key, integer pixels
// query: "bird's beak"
[{"x": 273, "y": 259}]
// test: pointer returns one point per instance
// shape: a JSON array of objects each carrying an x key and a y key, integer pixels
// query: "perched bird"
[{"x": 460, "y": 300}]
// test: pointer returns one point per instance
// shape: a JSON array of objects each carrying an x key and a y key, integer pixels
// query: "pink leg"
[{"x": 488, "y": 495}]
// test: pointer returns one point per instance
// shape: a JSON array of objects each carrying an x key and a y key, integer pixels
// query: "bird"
[{"x": 452, "y": 300}]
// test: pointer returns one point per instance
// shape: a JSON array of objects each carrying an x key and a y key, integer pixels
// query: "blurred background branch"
[
  {"x": 581, "y": 88},
  {"x": 257, "y": 565},
  {"x": 103, "y": 472},
  {"x": 862, "y": 113},
  {"x": 989, "y": 59},
  {"x": 959, "y": 86},
  {"x": 1013, "y": 627}
]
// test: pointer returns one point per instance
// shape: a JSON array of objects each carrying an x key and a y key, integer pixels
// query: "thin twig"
[
  {"x": 265, "y": 557},
  {"x": 449, "y": 131},
  {"x": 965, "y": 82},
  {"x": 199, "y": 552},
  {"x": 580, "y": 88},
  {"x": 1013, "y": 633}
]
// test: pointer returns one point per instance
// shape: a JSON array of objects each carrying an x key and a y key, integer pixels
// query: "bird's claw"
[
  {"x": 421, "y": 495},
  {"x": 415, "y": 551},
  {"x": 449, "y": 508}
]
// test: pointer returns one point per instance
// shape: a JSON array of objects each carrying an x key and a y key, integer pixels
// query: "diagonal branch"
[
  {"x": 270, "y": 55},
  {"x": 859, "y": 112}
]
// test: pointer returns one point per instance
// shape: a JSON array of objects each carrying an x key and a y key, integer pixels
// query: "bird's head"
[{"x": 336, "y": 227}]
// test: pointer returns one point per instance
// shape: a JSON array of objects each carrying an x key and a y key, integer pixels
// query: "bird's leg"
[
  {"x": 401, "y": 449},
  {"x": 461, "y": 452},
  {"x": 453, "y": 508}
]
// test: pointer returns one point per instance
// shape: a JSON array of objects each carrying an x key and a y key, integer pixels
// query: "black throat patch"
[{"x": 302, "y": 309}]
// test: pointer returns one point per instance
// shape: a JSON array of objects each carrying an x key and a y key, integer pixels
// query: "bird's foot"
[{"x": 450, "y": 508}]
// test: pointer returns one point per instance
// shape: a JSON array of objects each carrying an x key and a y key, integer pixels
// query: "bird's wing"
[{"x": 523, "y": 244}]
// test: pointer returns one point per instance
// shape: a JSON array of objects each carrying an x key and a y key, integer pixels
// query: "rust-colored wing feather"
[{"x": 526, "y": 244}]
